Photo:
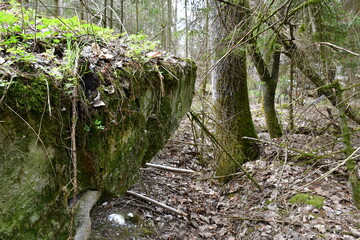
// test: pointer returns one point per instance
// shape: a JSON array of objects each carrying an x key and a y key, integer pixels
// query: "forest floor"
[{"x": 295, "y": 203}]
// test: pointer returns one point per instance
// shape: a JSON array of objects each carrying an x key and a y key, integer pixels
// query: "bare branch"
[
  {"x": 337, "y": 48},
  {"x": 170, "y": 169}
]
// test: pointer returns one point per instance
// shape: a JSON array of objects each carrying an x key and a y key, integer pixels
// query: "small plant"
[
  {"x": 139, "y": 44},
  {"x": 98, "y": 125},
  {"x": 87, "y": 128}
]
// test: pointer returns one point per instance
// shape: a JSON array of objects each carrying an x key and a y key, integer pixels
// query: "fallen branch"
[
  {"x": 156, "y": 203},
  {"x": 170, "y": 169}
]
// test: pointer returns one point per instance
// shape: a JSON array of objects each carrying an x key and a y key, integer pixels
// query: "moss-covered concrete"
[{"x": 113, "y": 141}]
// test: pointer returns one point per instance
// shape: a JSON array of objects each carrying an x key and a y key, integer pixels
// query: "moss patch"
[{"x": 307, "y": 199}]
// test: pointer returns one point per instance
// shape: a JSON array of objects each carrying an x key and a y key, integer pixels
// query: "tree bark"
[
  {"x": 59, "y": 9},
  {"x": 137, "y": 16},
  {"x": 122, "y": 16},
  {"x": 230, "y": 94},
  {"x": 345, "y": 133},
  {"x": 186, "y": 30},
  {"x": 105, "y": 13},
  {"x": 270, "y": 84},
  {"x": 169, "y": 24},
  {"x": 111, "y": 14},
  {"x": 291, "y": 99}
]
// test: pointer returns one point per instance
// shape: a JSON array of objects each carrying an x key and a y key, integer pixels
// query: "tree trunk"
[
  {"x": 169, "y": 24},
  {"x": 186, "y": 30},
  {"x": 205, "y": 80},
  {"x": 291, "y": 99},
  {"x": 111, "y": 14},
  {"x": 163, "y": 23},
  {"x": 137, "y": 16},
  {"x": 230, "y": 95},
  {"x": 271, "y": 118},
  {"x": 122, "y": 16},
  {"x": 269, "y": 88},
  {"x": 175, "y": 19},
  {"x": 59, "y": 9},
  {"x": 345, "y": 133},
  {"x": 105, "y": 14}
]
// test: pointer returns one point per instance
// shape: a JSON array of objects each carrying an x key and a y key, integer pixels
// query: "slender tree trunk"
[
  {"x": 59, "y": 9},
  {"x": 269, "y": 88},
  {"x": 186, "y": 30},
  {"x": 291, "y": 98},
  {"x": 163, "y": 24},
  {"x": 204, "y": 83},
  {"x": 230, "y": 95},
  {"x": 121, "y": 15},
  {"x": 169, "y": 23},
  {"x": 111, "y": 14},
  {"x": 105, "y": 13},
  {"x": 175, "y": 17},
  {"x": 271, "y": 118},
  {"x": 345, "y": 133},
  {"x": 137, "y": 16}
]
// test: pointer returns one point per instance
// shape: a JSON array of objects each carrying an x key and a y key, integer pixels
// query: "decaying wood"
[{"x": 173, "y": 210}]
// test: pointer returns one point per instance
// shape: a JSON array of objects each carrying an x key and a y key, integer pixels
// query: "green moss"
[
  {"x": 28, "y": 93},
  {"x": 112, "y": 141},
  {"x": 307, "y": 199}
]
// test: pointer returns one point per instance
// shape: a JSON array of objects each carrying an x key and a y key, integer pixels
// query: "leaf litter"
[{"x": 238, "y": 210}]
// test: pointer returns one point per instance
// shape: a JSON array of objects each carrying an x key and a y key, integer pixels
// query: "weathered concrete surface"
[{"x": 144, "y": 104}]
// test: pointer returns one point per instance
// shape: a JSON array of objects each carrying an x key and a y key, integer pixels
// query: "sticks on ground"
[
  {"x": 170, "y": 169},
  {"x": 173, "y": 210}
]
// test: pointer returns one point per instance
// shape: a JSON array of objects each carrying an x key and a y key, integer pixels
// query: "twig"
[
  {"x": 281, "y": 174},
  {"x": 328, "y": 172},
  {"x": 170, "y": 169},
  {"x": 156, "y": 203},
  {"x": 338, "y": 48}
]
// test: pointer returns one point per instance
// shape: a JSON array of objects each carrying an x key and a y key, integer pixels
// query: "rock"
[
  {"x": 83, "y": 208},
  {"x": 116, "y": 219},
  {"x": 113, "y": 141}
]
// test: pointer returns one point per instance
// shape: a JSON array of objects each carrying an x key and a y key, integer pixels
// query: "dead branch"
[
  {"x": 173, "y": 210},
  {"x": 337, "y": 48},
  {"x": 170, "y": 169}
]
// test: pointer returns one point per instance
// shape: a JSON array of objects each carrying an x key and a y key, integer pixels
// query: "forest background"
[
  {"x": 292, "y": 57},
  {"x": 294, "y": 53}
]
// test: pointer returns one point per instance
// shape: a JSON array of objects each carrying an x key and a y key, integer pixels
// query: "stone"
[{"x": 113, "y": 140}]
